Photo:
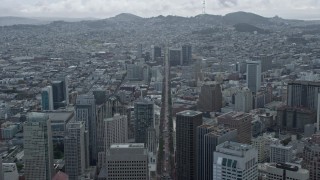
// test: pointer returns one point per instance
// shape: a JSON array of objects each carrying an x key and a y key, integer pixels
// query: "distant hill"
[
  {"x": 244, "y": 27},
  {"x": 10, "y": 20},
  {"x": 126, "y": 17},
  {"x": 245, "y": 17}
]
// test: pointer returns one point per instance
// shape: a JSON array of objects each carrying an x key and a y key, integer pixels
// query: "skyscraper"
[
  {"x": 38, "y": 152},
  {"x": 116, "y": 130},
  {"x": 303, "y": 94},
  {"x": 47, "y": 98},
  {"x": 127, "y": 161},
  {"x": 144, "y": 118},
  {"x": 311, "y": 156},
  {"x": 186, "y": 54},
  {"x": 86, "y": 112},
  {"x": 240, "y": 121},
  {"x": 60, "y": 92},
  {"x": 210, "y": 98},
  {"x": 175, "y": 57},
  {"x": 243, "y": 100},
  {"x": 254, "y": 75},
  {"x": 74, "y": 150},
  {"x": 208, "y": 137},
  {"x": 186, "y": 126},
  {"x": 235, "y": 161},
  {"x": 266, "y": 61},
  {"x": 155, "y": 52},
  {"x": 151, "y": 140}
]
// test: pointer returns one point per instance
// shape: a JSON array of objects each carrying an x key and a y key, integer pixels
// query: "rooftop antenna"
[{"x": 204, "y": 7}]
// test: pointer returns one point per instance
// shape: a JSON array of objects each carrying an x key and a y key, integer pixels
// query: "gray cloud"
[{"x": 303, "y": 9}]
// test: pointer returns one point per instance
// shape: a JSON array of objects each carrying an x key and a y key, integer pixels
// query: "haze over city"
[{"x": 289, "y": 9}]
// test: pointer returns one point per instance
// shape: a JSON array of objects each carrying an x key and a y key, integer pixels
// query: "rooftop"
[
  {"x": 127, "y": 145},
  {"x": 189, "y": 113}
]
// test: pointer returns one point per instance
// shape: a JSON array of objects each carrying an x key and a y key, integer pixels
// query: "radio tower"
[{"x": 204, "y": 7}]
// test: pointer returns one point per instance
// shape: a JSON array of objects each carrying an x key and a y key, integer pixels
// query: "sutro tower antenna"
[{"x": 204, "y": 7}]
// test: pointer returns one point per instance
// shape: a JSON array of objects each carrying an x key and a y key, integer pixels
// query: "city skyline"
[{"x": 289, "y": 9}]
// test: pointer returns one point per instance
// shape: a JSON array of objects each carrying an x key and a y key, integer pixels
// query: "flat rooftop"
[
  {"x": 189, "y": 113},
  {"x": 127, "y": 145},
  {"x": 234, "y": 115}
]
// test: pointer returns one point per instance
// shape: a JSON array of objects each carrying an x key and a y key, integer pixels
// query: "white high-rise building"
[
  {"x": 10, "y": 171},
  {"x": 243, "y": 100},
  {"x": 259, "y": 143},
  {"x": 254, "y": 75},
  {"x": 235, "y": 160},
  {"x": 280, "y": 153},
  {"x": 38, "y": 152},
  {"x": 116, "y": 130},
  {"x": 74, "y": 149}
]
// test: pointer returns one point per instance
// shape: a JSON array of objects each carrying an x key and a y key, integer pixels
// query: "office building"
[
  {"x": 139, "y": 51},
  {"x": 9, "y": 171},
  {"x": 127, "y": 161},
  {"x": 210, "y": 98},
  {"x": 46, "y": 98},
  {"x": 116, "y": 130},
  {"x": 38, "y": 152},
  {"x": 134, "y": 72},
  {"x": 155, "y": 52},
  {"x": 311, "y": 156},
  {"x": 235, "y": 161},
  {"x": 86, "y": 112},
  {"x": 254, "y": 76},
  {"x": 280, "y": 153},
  {"x": 208, "y": 137},
  {"x": 283, "y": 171},
  {"x": 186, "y": 127},
  {"x": 1, "y": 170},
  {"x": 303, "y": 94},
  {"x": 243, "y": 100},
  {"x": 175, "y": 58},
  {"x": 266, "y": 61},
  {"x": 295, "y": 119},
  {"x": 60, "y": 92},
  {"x": 240, "y": 121},
  {"x": 151, "y": 140},
  {"x": 74, "y": 149},
  {"x": 59, "y": 121},
  {"x": 260, "y": 144},
  {"x": 144, "y": 118},
  {"x": 186, "y": 54}
]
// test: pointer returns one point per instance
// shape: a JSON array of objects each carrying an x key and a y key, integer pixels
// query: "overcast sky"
[{"x": 299, "y": 9}]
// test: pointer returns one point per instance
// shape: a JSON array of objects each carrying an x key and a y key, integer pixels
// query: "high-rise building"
[
  {"x": 240, "y": 121},
  {"x": 134, "y": 72},
  {"x": 47, "y": 98},
  {"x": 139, "y": 51},
  {"x": 86, "y": 112},
  {"x": 254, "y": 75},
  {"x": 74, "y": 150},
  {"x": 259, "y": 143},
  {"x": 208, "y": 137},
  {"x": 38, "y": 152},
  {"x": 127, "y": 162},
  {"x": 144, "y": 118},
  {"x": 155, "y": 52},
  {"x": 60, "y": 92},
  {"x": 210, "y": 98},
  {"x": 295, "y": 119},
  {"x": 280, "y": 153},
  {"x": 186, "y": 127},
  {"x": 311, "y": 156},
  {"x": 243, "y": 100},
  {"x": 151, "y": 140},
  {"x": 266, "y": 61},
  {"x": 175, "y": 58},
  {"x": 116, "y": 130},
  {"x": 1, "y": 170},
  {"x": 283, "y": 171},
  {"x": 235, "y": 161},
  {"x": 303, "y": 94},
  {"x": 186, "y": 54},
  {"x": 10, "y": 171}
]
